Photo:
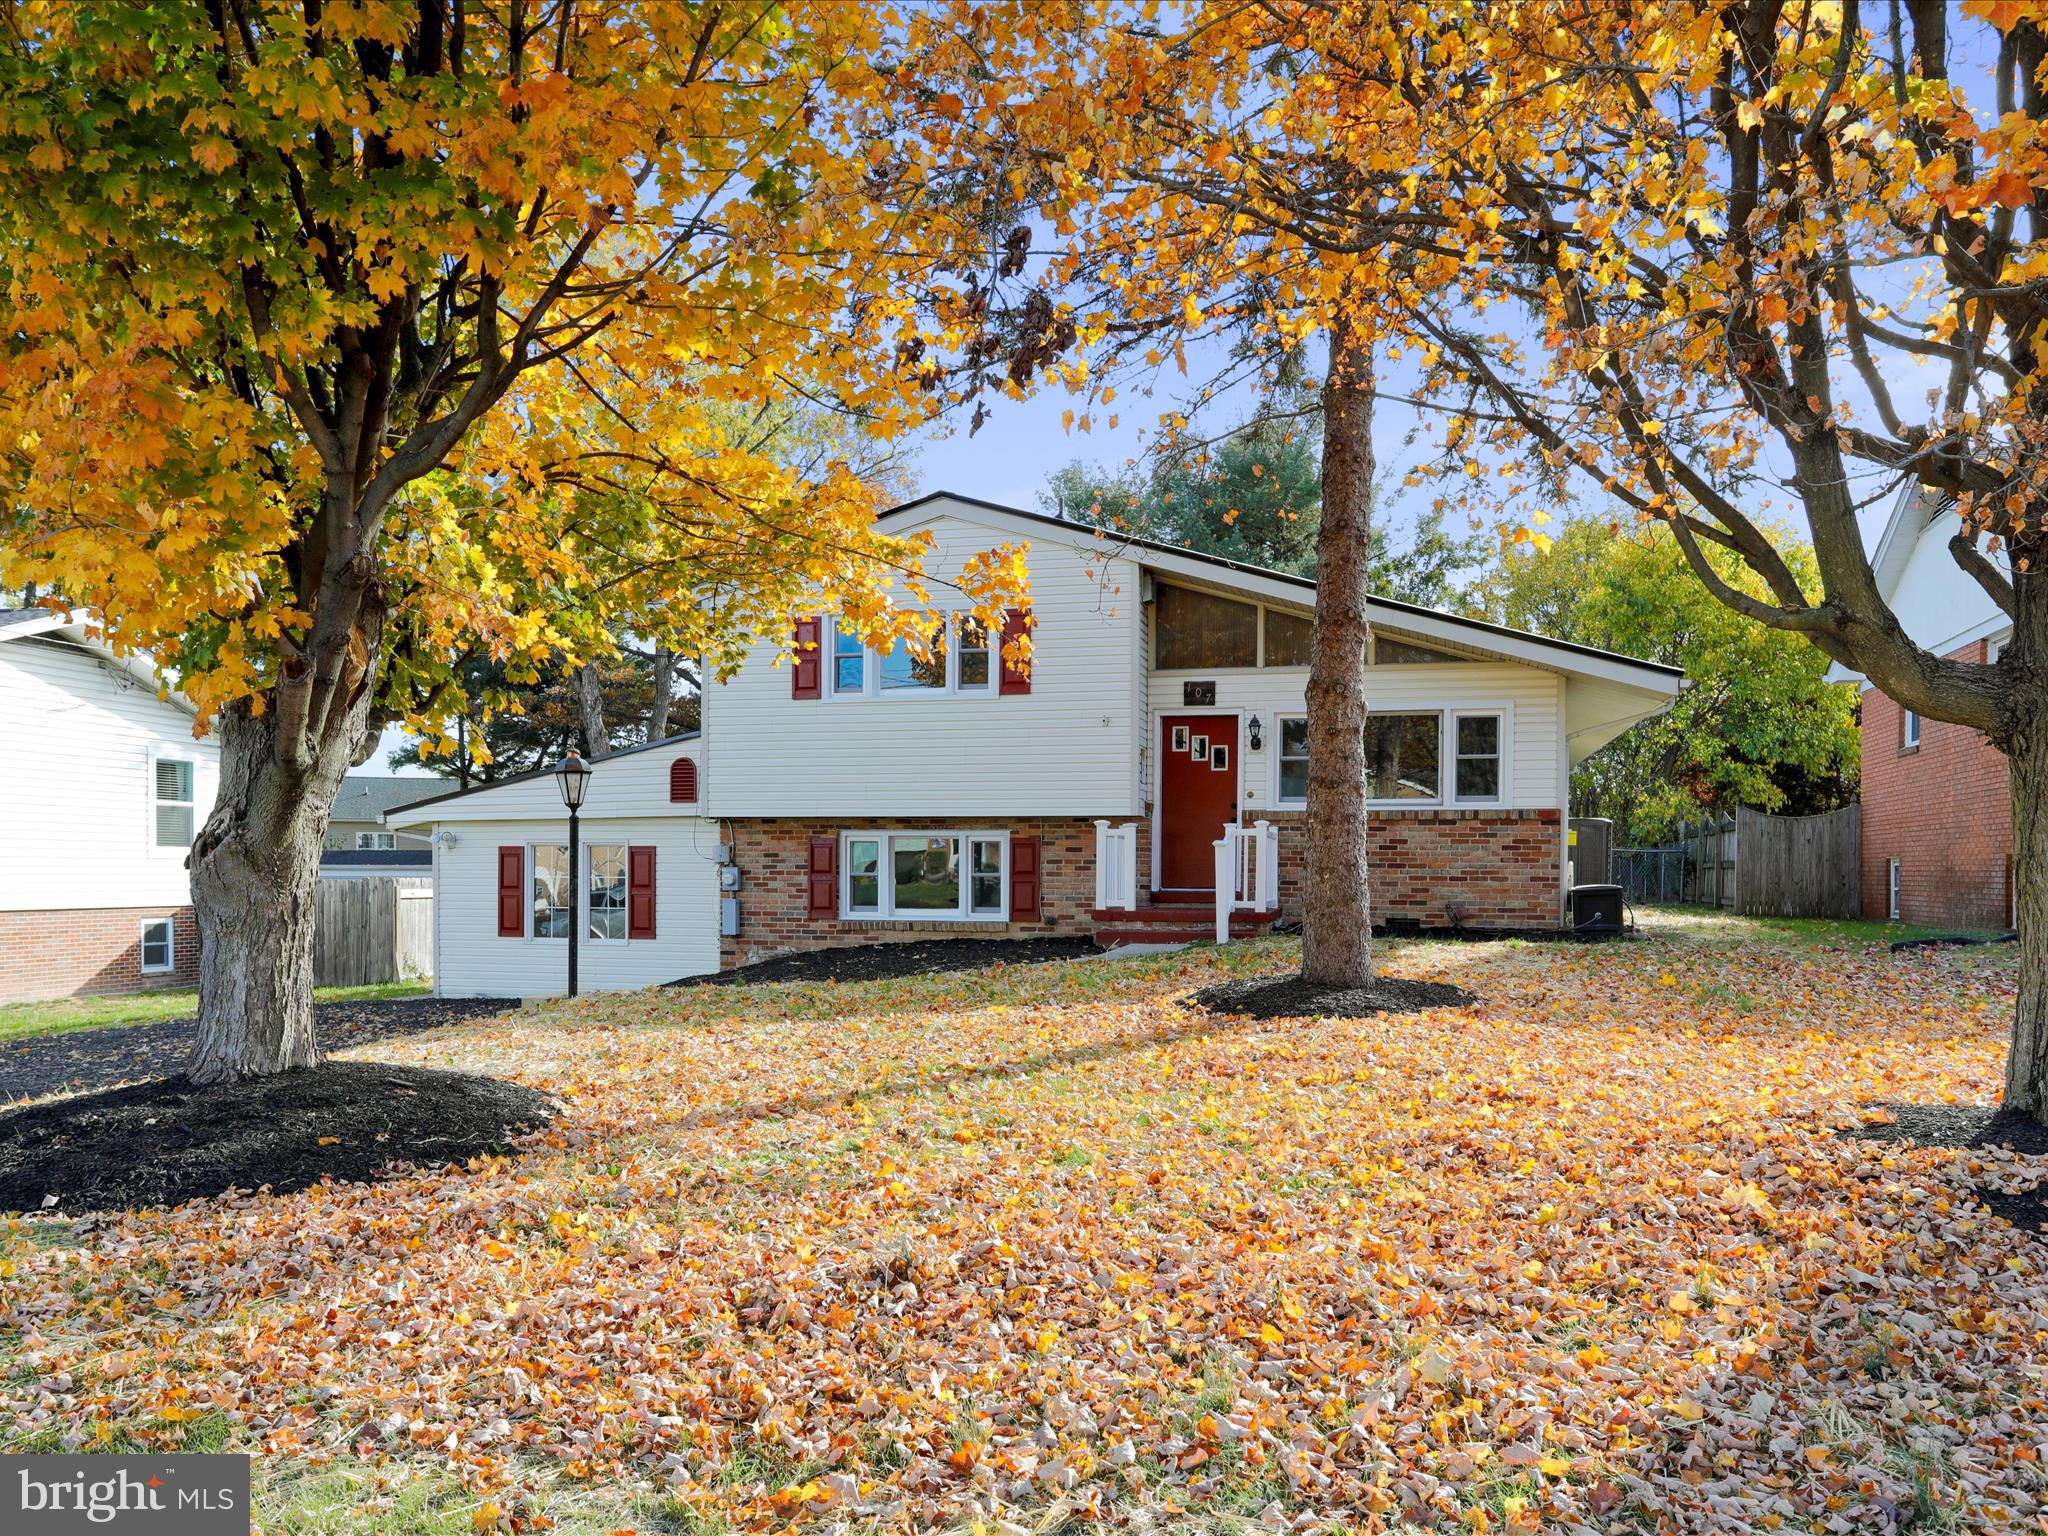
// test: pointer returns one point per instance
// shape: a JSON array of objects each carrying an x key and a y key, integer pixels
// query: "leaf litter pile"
[{"x": 1001, "y": 1249}]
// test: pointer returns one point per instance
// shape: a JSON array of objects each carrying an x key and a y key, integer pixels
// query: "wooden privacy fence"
[
  {"x": 1801, "y": 866},
  {"x": 371, "y": 931}
]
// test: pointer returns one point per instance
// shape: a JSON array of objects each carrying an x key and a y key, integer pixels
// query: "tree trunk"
[
  {"x": 590, "y": 699},
  {"x": 255, "y": 870},
  {"x": 1336, "y": 946},
  {"x": 2026, "y": 749},
  {"x": 664, "y": 693}
]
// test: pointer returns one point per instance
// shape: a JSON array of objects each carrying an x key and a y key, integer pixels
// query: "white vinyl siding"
[
  {"x": 1067, "y": 748},
  {"x": 85, "y": 741},
  {"x": 1528, "y": 699},
  {"x": 472, "y": 961}
]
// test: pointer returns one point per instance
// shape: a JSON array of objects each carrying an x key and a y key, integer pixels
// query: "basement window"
[{"x": 159, "y": 946}]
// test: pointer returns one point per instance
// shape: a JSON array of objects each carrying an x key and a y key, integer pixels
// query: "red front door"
[{"x": 1197, "y": 797}]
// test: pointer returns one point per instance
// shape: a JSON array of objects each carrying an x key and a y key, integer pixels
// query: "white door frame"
[{"x": 1159, "y": 770}]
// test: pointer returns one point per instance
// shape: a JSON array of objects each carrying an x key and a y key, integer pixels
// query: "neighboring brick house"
[
  {"x": 105, "y": 786},
  {"x": 1937, "y": 798},
  {"x": 851, "y": 796}
]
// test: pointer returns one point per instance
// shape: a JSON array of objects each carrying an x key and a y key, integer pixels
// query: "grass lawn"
[
  {"x": 1009, "y": 1250},
  {"x": 18, "y": 1021},
  {"x": 1717, "y": 926}
]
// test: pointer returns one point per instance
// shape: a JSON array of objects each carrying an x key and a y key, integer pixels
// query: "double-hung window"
[
  {"x": 550, "y": 887},
  {"x": 605, "y": 895},
  {"x": 924, "y": 876},
  {"x": 159, "y": 946},
  {"x": 1412, "y": 758},
  {"x": 172, "y": 806},
  {"x": 957, "y": 657},
  {"x": 376, "y": 840}
]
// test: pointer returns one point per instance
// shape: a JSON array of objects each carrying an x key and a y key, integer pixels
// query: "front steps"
[{"x": 1173, "y": 921}]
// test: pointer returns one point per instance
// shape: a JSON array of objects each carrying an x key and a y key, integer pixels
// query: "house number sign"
[{"x": 1194, "y": 694}]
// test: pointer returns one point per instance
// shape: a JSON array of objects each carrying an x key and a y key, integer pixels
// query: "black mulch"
[
  {"x": 1963, "y": 1127},
  {"x": 163, "y": 1142},
  {"x": 882, "y": 962},
  {"x": 1290, "y": 997},
  {"x": 99, "y": 1058}
]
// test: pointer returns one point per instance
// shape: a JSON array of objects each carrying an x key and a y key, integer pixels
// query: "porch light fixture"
[
  {"x": 1254, "y": 728},
  {"x": 572, "y": 775}
]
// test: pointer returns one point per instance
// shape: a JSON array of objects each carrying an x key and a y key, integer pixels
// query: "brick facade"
[
  {"x": 1943, "y": 809},
  {"x": 90, "y": 950},
  {"x": 1440, "y": 868}
]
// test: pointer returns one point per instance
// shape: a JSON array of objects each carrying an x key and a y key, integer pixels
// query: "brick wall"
[
  {"x": 1502, "y": 867},
  {"x": 64, "y": 953},
  {"x": 774, "y": 860},
  {"x": 1943, "y": 810}
]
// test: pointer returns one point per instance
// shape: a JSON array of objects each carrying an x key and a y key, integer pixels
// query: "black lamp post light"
[{"x": 573, "y": 775}]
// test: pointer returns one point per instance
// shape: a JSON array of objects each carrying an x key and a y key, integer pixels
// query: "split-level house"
[
  {"x": 1937, "y": 797},
  {"x": 852, "y": 797},
  {"x": 105, "y": 786}
]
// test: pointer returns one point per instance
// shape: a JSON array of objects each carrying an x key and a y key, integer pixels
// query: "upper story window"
[
  {"x": 377, "y": 840},
  {"x": 1909, "y": 730},
  {"x": 1202, "y": 630},
  {"x": 1287, "y": 637},
  {"x": 1406, "y": 763},
  {"x": 957, "y": 658},
  {"x": 172, "y": 807},
  {"x": 1995, "y": 647}
]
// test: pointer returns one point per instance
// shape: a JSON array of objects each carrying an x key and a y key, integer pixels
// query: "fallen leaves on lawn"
[{"x": 953, "y": 1249}]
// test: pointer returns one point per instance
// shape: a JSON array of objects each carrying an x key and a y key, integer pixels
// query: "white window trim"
[
  {"x": 170, "y": 925},
  {"x": 886, "y": 876},
  {"x": 1447, "y": 760},
  {"x": 169, "y": 850},
  {"x": 1995, "y": 648},
  {"x": 871, "y": 668},
  {"x": 587, "y": 849},
  {"x": 1895, "y": 881},
  {"x": 367, "y": 842},
  {"x": 1909, "y": 730},
  {"x": 581, "y": 894}
]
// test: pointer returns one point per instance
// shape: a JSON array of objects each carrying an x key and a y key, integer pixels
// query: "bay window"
[
  {"x": 1412, "y": 758},
  {"x": 924, "y": 876}
]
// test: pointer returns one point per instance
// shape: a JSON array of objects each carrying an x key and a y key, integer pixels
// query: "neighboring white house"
[
  {"x": 105, "y": 788},
  {"x": 359, "y": 846},
  {"x": 851, "y": 797}
]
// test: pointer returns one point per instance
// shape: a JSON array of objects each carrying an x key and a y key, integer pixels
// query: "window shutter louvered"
[
  {"x": 640, "y": 892},
  {"x": 1016, "y": 674},
  {"x": 824, "y": 877},
  {"x": 807, "y": 674},
  {"x": 511, "y": 893},
  {"x": 1023, "y": 878},
  {"x": 682, "y": 780}
]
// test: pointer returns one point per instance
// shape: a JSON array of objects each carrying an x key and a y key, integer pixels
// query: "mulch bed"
[
  {"x": 99, "y": 1058},
  {"x": 164, "y": 1142},
  {"x": 883, "y": 962},
  {"x": 1290, "y": 997},
  {"x": 1962, "y": 1127}
]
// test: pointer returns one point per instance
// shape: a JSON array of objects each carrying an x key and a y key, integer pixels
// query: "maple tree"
[
  {"x": 1227, "y": 177},
  {"x": 344, "y": 341},
  {"x": 1721, "y": 252}
]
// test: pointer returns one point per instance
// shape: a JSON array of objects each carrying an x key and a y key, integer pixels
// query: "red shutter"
[
  {"x": 809, "y": 669},
  {"x": 639, "y": 892},
  {"x": 682, "y": 780},
  {"x": 1016, "y": 675},
  {"x": 511, "y": 893},
  {"x": 824, "y": 899},
  {"x": 1023, "y": 878}
]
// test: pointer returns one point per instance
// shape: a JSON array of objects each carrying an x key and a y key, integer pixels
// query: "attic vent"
[{"x": 682, "y": 780}]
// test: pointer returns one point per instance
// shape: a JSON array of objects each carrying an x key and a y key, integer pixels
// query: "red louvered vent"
[{"x": 682, "y": 780}]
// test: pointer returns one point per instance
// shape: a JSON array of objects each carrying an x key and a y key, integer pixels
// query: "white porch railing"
[
  {"x": 1247, "y": 872},
  {"x": 1116, "y": 866}
]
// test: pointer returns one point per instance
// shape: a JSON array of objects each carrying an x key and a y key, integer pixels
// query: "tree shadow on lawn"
[{"x": 1968, "y": 1128}]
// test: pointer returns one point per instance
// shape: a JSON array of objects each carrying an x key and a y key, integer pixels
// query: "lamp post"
[{"x": 573, "y": 775}]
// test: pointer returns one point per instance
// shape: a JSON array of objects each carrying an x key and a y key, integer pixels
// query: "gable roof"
[
  {"x": 367, "y": 796},
  {"x": 72, "y": 629},
  {"x": 1282, "y": 586},
  {"x": 420, "y": 803}
]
